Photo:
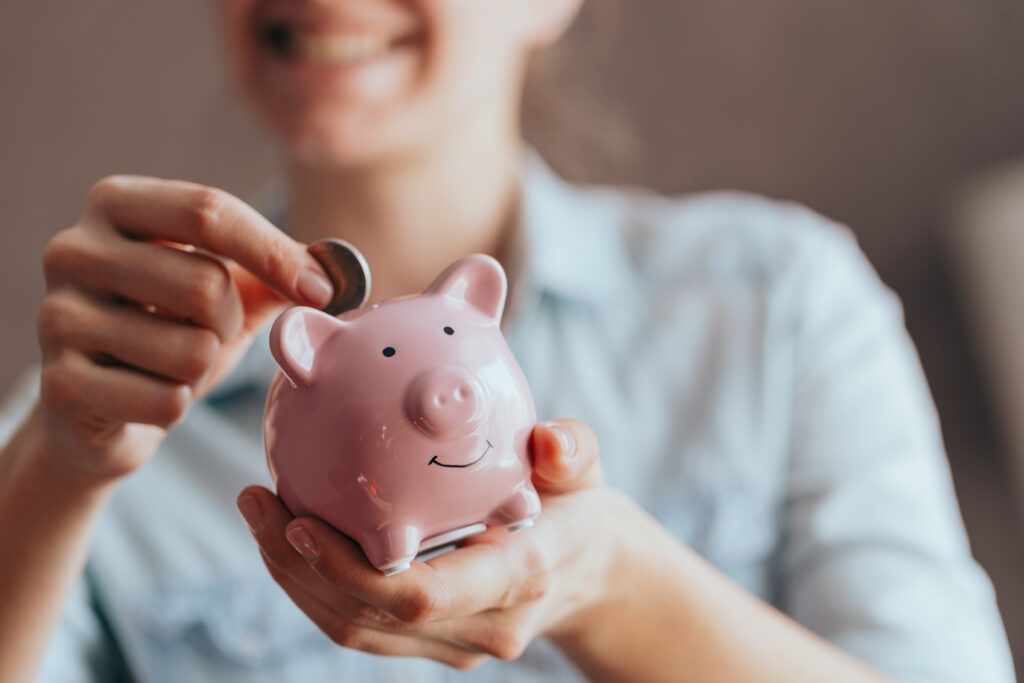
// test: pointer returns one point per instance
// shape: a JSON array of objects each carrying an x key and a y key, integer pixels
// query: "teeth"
[{"x": 340, "y": 47}]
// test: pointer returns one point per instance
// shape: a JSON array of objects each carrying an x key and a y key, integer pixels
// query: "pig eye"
[
  {"x": 449, "y": 331},
  {"x": 389, "y": 351}
]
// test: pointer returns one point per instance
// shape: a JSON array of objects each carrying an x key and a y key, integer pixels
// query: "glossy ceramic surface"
[{"x": 404, "y": 425}]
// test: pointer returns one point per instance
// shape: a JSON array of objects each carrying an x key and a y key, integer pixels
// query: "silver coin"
[{"x": 348, "y": 272}]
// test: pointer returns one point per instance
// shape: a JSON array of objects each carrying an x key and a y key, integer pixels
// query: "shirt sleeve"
[
  {"x": 82, "y": 649},
  {"x": 875, "y": 557}
]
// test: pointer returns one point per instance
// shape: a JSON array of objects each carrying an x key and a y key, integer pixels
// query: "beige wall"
[
  {"x": 868, "y": 111},
  {"x": 96, "y": 88}
]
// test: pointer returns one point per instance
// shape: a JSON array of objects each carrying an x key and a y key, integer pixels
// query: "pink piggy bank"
[{"x": 404, "y": 425}]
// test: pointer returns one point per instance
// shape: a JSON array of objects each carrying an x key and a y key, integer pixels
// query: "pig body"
[{"x": 405, "y": 425}]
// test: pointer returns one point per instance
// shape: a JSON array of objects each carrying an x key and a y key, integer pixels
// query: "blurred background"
[{"x": 901, "y": 119}]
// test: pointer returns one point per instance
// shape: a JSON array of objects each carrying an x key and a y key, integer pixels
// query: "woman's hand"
[
  {"x": 144, "y": 313},
  {"x": 489, "y": 598},
  {"x": 614, "y": 590}
]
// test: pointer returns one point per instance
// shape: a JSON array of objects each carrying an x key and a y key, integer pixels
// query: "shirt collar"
[
  {"x": 568, "y": 246},
  {"x": 571, "y": 238}
]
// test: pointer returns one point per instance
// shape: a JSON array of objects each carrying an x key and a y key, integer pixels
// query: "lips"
[
  {"x": 331, "y": 48},
  {"x": 349, "y": 33}
]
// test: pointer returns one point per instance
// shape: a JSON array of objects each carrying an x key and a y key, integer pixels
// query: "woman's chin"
[
  {"x": 390, "y": 76},
  {"x": 339, "y": 142},
  {"x": 338, "y": 114}
]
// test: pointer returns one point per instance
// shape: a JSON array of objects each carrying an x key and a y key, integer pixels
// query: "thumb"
[
  {"x": 259, "y": 302},
  {"x": 565, "y": 456}
]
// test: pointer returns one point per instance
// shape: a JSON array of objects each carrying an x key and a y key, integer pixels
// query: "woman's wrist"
[
  {"x": 671, "y": 616},
  {"x": 32, "y": 453},
  {"x": 629, "y": 532},
  {"x": 47, "y": 513}
]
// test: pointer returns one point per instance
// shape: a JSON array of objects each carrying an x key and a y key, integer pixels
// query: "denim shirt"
[{"x": 751, "y": 383}]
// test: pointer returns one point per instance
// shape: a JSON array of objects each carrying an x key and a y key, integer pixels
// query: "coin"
[{"x": 348, "y": 272}]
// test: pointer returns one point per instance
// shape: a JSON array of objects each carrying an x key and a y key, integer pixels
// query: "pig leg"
[
  {"x": 519, "y": 526},
  {"x": 518, "y": 510},
  {"x": 392, "y": 549}
]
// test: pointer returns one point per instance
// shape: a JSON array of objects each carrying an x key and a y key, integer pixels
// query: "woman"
[{"x": 772, "y": 501}]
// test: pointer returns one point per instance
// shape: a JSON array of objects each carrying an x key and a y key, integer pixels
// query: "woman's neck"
[{"x": 413, "y": 217}]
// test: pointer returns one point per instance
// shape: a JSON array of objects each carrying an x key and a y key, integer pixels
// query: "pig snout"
[{"x": 446, "y": 402}]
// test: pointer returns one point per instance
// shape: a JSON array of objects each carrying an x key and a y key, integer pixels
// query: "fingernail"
[
  {"x": 303, "y": 543},
  {"x": 314, "y": 287},
  {"x": 566, "y": 441},
  {"x": 252, "y": 511}
]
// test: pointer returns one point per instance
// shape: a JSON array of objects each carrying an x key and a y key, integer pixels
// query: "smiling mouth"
[
  {"x": 435, "y": 461},
  {"x": 336, "y": 48}
]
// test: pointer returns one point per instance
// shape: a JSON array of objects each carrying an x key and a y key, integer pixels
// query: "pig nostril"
[{"x": 459, "y": 394}]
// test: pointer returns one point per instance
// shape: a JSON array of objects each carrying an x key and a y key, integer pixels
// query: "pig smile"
[{"x": 435, "y": 461}]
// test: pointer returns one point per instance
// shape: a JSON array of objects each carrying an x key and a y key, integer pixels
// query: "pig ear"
[
  {"x": 478, "y": 280},
  {"x": 296, "y": 338}
]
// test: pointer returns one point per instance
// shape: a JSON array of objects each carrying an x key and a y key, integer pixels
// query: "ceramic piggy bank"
[{"x": 404, "y": 425}]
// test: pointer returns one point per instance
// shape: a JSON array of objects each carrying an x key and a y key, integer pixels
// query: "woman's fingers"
[
  {"x": 259, "y": 302},
  {"x": 106, "y": 331},
  {"x": 214, "y": 220},
  {"x": 288, "y": 554},
  {"x": 269, "y": 521},
  {"x": 352, "y": 635},
  {"x": 565, "y": 456},
  {"x": 486, "y": 575},
  {"x": 332, "y": 582},
  {"x": 185, "y": 285},
  {"x": 101, "y": 397}
]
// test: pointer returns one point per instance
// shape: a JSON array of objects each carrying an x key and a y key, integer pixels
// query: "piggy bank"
[{"x": 404, "y": 425}]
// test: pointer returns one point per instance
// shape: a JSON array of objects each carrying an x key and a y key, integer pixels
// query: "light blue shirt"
[{"x": 752, "y": 386}]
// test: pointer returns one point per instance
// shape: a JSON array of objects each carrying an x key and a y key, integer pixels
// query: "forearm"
[
  {"x": 46, "y": 516},
  {"x": 674, "y": 617}
]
